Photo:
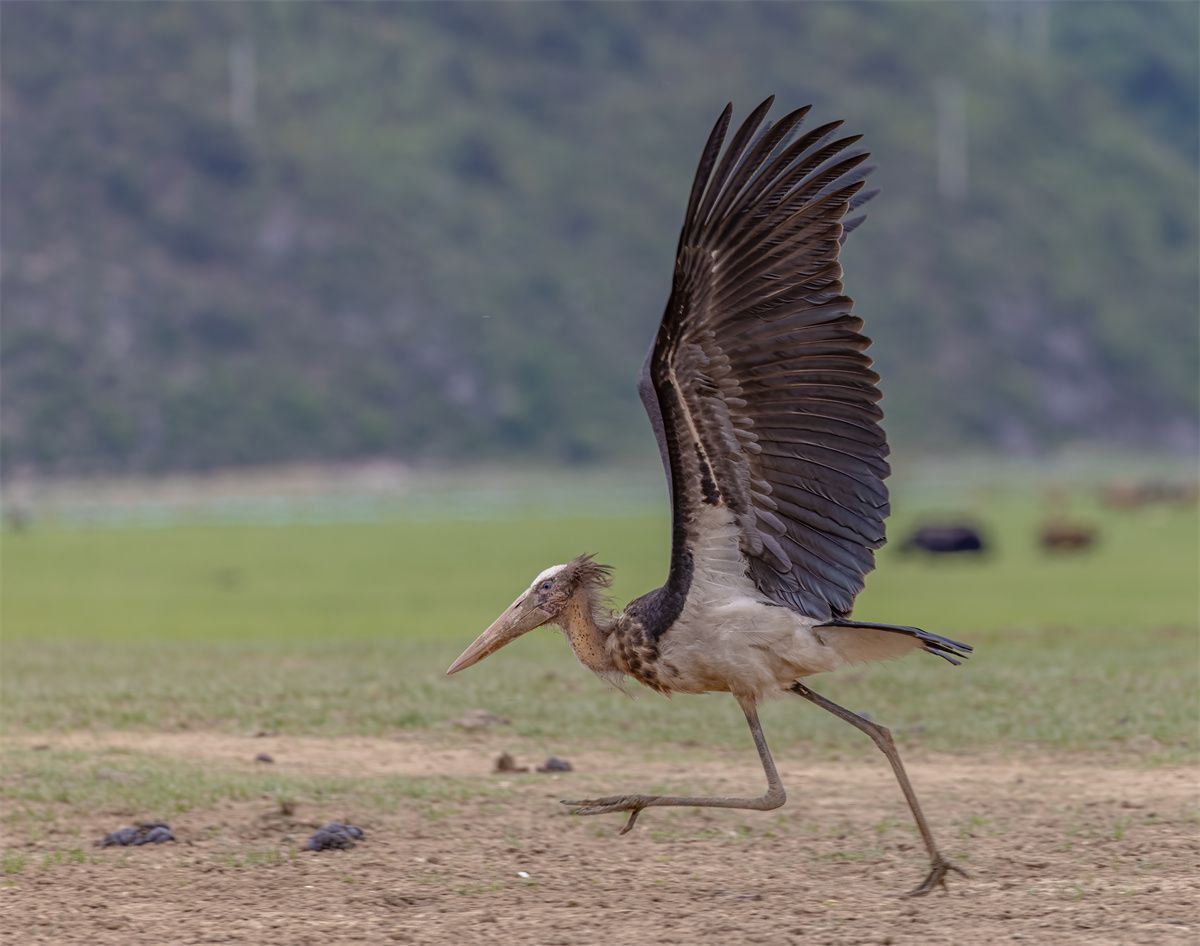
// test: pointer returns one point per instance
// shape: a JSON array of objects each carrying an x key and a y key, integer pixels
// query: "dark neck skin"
[{"x": 587, "y": 625}]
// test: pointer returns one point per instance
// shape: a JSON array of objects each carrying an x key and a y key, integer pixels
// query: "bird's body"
[
  {"x": 765, "y": 410},
  {"x": 728, "y": 637}
]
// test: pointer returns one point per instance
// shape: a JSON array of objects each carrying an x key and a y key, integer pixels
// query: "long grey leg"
[
  {"x": 774, "y": 797},
  {"x": 883, "y": 739}
]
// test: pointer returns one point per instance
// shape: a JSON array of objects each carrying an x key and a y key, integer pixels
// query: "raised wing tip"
[
  {"x": 797, "y": 115},
  {"x": 754, "y": 119}
]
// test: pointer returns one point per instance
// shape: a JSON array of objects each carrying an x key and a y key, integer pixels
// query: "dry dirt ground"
[{"x": 1063, "y": 850}]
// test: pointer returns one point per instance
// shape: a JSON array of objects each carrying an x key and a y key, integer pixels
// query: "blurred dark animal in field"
[
  {"x": 945, "y": 540},
  {"x": 1061, "y": 535},
  {"x": 555, "y": 764},
  {"x": 1122, "y": 495},
  {"x": 264, "y": 757},
  {"x": 1128, "y": 494},
  {"x": 334, "y": 836},
  {"x": 145, "y": 832},
  {"x": 766, "y": 412}
]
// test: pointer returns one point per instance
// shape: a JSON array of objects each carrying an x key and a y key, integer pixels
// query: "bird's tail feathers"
[{"x": 951, "y": 650}]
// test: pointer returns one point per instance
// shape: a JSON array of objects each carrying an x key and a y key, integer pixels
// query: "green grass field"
[{"x": 347, "y": 628}]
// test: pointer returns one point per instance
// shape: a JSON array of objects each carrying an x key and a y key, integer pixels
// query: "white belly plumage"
[{"x": 729, "y": 637}]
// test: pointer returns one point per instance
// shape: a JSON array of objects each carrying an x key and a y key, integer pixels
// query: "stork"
[{"x": 765, "y": 410}]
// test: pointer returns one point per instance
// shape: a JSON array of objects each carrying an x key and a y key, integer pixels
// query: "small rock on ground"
[
  {"x": 334, "y": 836},
  {"x": 555, "y": 764},
  {"x": 146, "y": 832}
]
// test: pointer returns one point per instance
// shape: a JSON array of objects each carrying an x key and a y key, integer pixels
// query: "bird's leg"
[
  {"x": 883, "y": 739},
  {"x": 634, "y": 804}
]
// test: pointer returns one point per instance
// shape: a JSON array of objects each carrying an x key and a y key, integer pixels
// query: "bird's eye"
[{"x": 545, "y": 586}]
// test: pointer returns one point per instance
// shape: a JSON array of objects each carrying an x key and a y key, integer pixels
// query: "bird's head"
[{"x": 543, "y": 602}]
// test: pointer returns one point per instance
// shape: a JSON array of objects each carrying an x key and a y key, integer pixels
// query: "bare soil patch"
[{"x": 1061, "y": 850}]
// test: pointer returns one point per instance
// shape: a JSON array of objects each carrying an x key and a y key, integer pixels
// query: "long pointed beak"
[{"x": 521, "y": 616}]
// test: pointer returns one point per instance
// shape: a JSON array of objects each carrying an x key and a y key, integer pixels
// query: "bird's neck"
[{"x": 586, "y": 624}]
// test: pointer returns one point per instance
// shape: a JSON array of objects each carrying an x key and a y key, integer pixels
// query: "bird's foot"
[
  {"x": 937, "y": 877},
  {"x": 603, "y": 806}
]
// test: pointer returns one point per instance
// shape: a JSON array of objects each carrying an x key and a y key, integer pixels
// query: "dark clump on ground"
[
  {"x": 263, "y": 757},
  {"x": 146, "y": 832},
  {"x": 506, "y": 763},
  {"x": 336, "y": 836},
  {"x": 555, "y": 764}
]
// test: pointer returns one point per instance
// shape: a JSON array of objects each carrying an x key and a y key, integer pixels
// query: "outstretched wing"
[{"x": 757, "y": 384}]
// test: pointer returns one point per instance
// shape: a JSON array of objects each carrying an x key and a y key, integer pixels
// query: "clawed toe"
[
  {"x": 603, "y": 806},
  {"x": 936, "y": 878},
  {"x": 589, "y": 806},
  {"x": 600, "y": 806}
]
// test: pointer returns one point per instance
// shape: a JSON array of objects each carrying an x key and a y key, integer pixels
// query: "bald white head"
[
  {"x": 548, "y": 574},
  {"x": 540, "y": 603}
]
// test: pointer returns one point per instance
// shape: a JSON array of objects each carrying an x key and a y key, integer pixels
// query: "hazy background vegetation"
[{"x": 244, "y": 234}]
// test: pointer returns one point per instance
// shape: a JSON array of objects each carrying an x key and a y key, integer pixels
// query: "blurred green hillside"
[{"x": 250, "y": 233}]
